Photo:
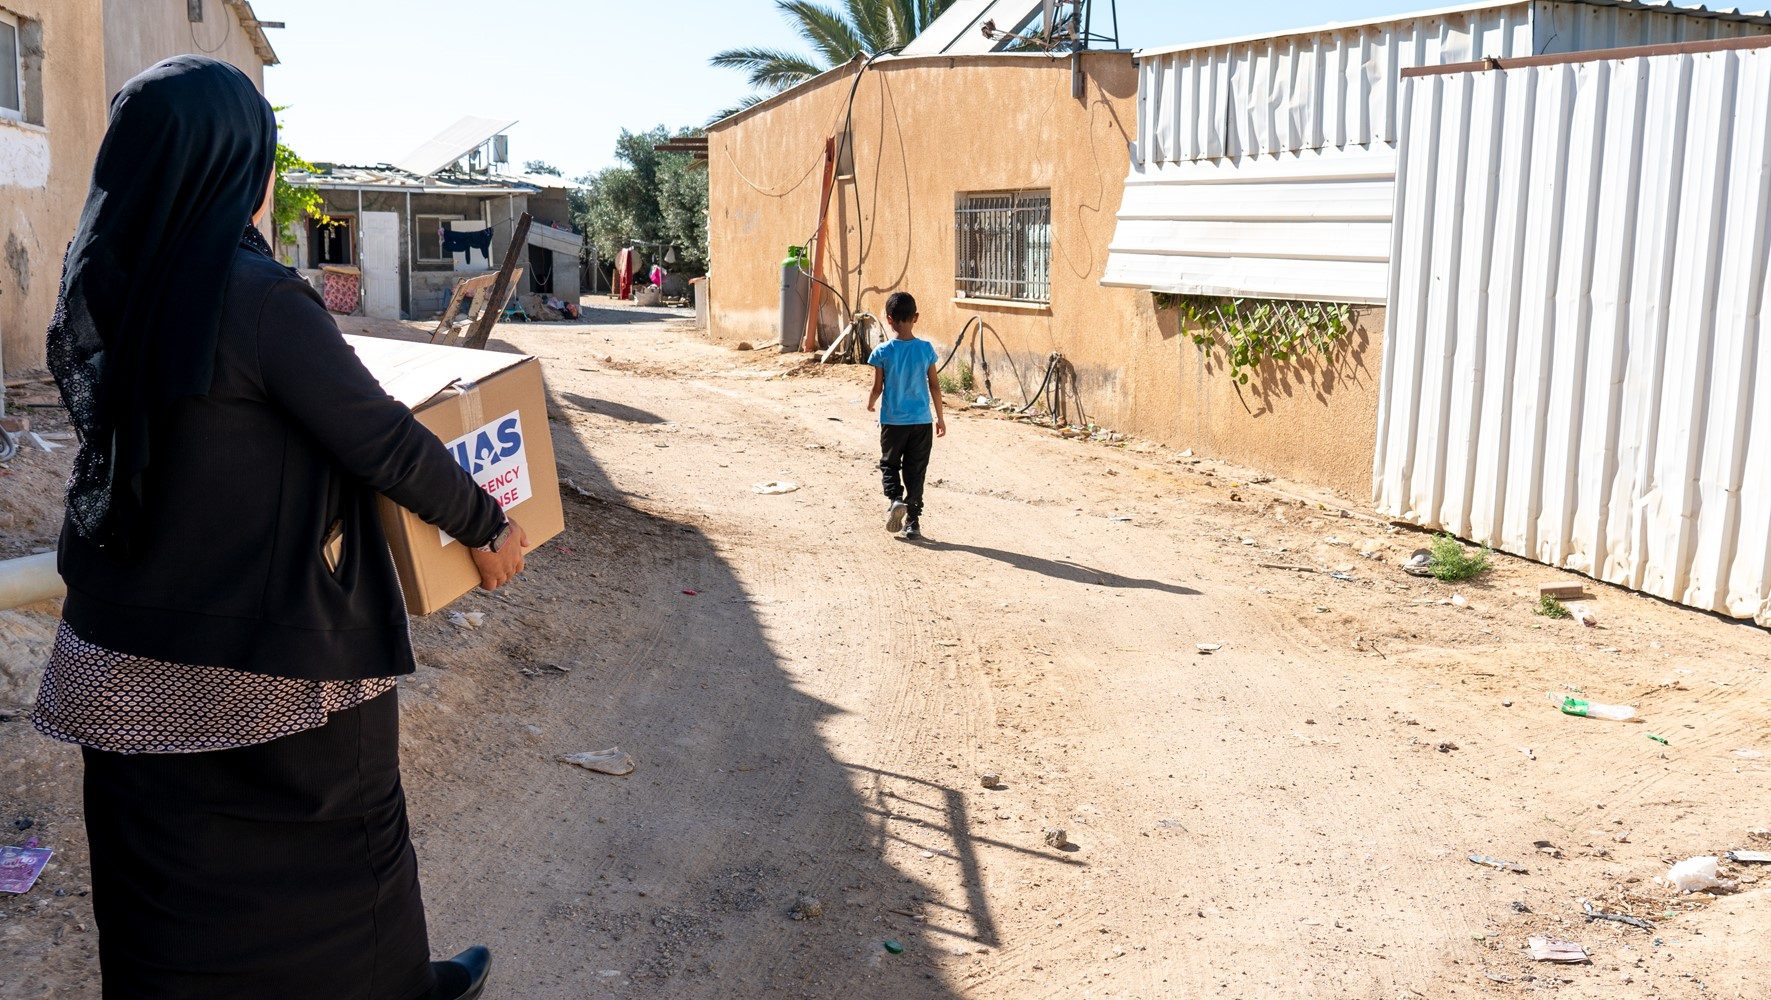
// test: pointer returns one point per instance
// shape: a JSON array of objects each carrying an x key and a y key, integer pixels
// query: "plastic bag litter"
[
  {"x": 1696, "y": 874},
  {"x": 774, "y": 489},
  {"x": 468, "y": 619},
  {"x": 613, "y": 761}
]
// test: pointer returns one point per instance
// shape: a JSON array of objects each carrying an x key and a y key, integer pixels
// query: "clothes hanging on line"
[
  {"x": 658, "y": 275},
  {"x": 463, "y": 241},
  {"x": 626, "y": 263}
]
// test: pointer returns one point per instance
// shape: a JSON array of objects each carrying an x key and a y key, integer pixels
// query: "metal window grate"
[{"x": 1004, "y": 244}]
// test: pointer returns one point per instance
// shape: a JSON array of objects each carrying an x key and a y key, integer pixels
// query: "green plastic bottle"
[{"x": 1593, "y": 710}]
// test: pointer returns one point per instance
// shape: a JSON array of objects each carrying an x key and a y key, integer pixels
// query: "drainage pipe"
[{"x": 29, "y": 580}]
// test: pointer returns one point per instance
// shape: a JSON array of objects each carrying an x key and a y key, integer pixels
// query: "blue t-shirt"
[{"x": 906, "y": 365}]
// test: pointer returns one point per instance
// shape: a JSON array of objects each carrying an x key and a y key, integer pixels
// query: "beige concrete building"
[
  {"x": 60, "y": 62},
  {"x": 954, "y": 148}
]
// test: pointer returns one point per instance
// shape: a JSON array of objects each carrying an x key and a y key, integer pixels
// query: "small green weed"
[
  {"x": 1549, "y": 607},
  {"x": 1451, "y": 563},
  {"x": 961, "y": 384}
]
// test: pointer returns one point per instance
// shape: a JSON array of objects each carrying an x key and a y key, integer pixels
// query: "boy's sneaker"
[
  {"x": 913, "y": 530},
  {"x": 895, "y": 516}
]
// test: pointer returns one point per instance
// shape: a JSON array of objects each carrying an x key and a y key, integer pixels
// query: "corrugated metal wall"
[
  {"x": 1573, "y": 362},
  {"x": 1264, "y": 168}
]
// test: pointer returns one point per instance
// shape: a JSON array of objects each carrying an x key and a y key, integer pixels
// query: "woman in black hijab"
[{"x": 234, "y": 626}]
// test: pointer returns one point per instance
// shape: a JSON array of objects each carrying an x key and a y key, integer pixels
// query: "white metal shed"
[{"x": 1265, "y": 167}]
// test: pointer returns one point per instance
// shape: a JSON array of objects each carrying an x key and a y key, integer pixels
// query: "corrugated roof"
[
  {"x": 1650, "y": 6},
  {"x": 452, "y": 144},
  {"x": 390, "y": 178}
]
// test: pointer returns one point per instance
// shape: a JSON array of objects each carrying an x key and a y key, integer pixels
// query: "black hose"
[
  {"x": 1051, "y": 366},
  {"x": 956, "y": 344}
]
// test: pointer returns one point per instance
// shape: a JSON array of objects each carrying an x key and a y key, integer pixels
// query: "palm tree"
[{"x": 860, "y": 27}]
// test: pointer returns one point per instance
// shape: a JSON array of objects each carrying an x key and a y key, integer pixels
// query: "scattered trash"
[
  {"x": 23, "y": 823},
  {"x": 1659, "y": 739},
  {"x": 1594, "y": 710},
  {"x": 1520, "y": 907},
  {"x": 1057, "y": 836},
  {"x": 1585, "y": 617},
  {"x": 467, "y": 619},
  {"x": 1697, "y": 874},
  {"x": 1563, "y": 591},
  {"x": 1459, "y": 601},
  {"x": 1749, "y": 754},
  {"x": 1419, "y": 564},
  {"x": 775, "y": 489},
  {"x": 20, "y": 866},
  {"x": 990, "y": 780},
  {"x": 1529, "y": 753},
  {"x": 1248, "y": 541},
  {"x": 1121, "y": 519},
  {"x": 1543, "y": 949},
  {"x": 1496, "y": 863},
  {"x": 1594, "y": 913},
  {"x": 1446, "y": 747},
  {"x": 574, "y": 487},
  {"x": 611, "y": 761},
  {"x": 1208, "y": 648},
  {"x": 1749, "y": 857},
  {"x": 37, "y": 439},
  {"x": 894, "y": 947},
  {"x": 1343, "y": 576},
  {"x": 1545, "y": 847},
  {"x": 806, "y": 908},
  {"x": 691, "y": 593}
]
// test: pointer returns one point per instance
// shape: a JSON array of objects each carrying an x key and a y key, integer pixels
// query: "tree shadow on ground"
[
  {"x": 1062, "y": 570},
  {"x": 630, "y": 315}
]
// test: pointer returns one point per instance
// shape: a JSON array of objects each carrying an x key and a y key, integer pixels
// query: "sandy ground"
[{"x": 1288, "y": 816}]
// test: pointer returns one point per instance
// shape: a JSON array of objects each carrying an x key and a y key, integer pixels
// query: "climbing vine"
[{"x": 1251, "y": 332}]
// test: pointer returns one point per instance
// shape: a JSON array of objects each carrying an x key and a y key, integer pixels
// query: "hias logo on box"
[
  {"x": 493, "y": 455},
  {"x": 489, "y": 446}
]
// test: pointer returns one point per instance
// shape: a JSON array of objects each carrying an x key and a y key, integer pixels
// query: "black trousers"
[
  {"x": 274, "y": 872},
  {"x": 904, "y": 451}
]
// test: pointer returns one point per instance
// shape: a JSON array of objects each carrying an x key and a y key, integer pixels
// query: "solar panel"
[
  {"x": 452, "y": 144},
  {"x": 959, "y": 32}
]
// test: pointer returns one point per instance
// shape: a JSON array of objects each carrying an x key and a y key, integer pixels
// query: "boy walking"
[{"x": 904, "y": 376}]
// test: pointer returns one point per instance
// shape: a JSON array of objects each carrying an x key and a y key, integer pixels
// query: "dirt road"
[{"x": 811, "y": 702}]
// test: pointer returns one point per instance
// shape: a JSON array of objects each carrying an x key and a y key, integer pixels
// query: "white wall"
[{"x": 1575, "y": 346}]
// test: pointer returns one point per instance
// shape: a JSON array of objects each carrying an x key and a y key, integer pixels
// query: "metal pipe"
[{"x": 29, "y": 580}]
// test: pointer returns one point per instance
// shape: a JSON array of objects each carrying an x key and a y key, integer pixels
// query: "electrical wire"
[
  {"x": 227, "y": 31},
  {"x": 1050, "y": 366}
]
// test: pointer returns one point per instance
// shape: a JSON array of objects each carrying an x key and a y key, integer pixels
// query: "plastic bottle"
[{"x": 1593, "y": 710}]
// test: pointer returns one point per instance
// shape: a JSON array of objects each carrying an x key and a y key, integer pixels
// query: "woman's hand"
[{"x": 501, "y": 567}]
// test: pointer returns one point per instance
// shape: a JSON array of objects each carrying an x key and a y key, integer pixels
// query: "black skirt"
[{"x": 283, "y": 870}]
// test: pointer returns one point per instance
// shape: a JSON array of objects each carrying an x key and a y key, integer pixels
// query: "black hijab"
[{"x": 184, "y": 164}]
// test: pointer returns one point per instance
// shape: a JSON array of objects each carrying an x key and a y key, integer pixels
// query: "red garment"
[{"x": 624, "y": 268}]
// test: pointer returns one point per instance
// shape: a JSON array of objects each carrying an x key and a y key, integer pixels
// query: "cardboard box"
[{"x": 490, "y": 410}]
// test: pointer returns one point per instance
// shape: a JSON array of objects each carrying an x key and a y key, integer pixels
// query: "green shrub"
[
  {"x": 1549, "y": 607},
  {"x": 1451, "y": 563}
]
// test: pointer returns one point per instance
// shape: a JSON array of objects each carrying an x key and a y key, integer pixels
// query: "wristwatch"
[{"x": 498, "y": 539}]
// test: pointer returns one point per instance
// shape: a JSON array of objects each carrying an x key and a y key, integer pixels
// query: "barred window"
[{"x": 1004, "y": 241}]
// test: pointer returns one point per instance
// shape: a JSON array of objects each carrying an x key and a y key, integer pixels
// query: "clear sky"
[{"x": 368, "y": 80}]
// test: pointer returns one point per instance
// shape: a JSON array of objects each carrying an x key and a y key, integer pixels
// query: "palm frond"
[
  {"x": 745, "y": 105},
  {"x": 769, "y": 69},
  {"x": 829, "y": 32}
]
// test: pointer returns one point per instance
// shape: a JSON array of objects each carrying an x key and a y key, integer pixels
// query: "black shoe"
[
  {"x": 464, "y": 976},
  {"x": 913, "y": 530}
]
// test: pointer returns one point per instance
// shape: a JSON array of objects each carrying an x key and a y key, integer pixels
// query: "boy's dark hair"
[{"x": 900, "y": 307}]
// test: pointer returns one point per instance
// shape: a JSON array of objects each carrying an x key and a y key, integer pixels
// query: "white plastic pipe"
[{"x": 29, "y": 580}]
